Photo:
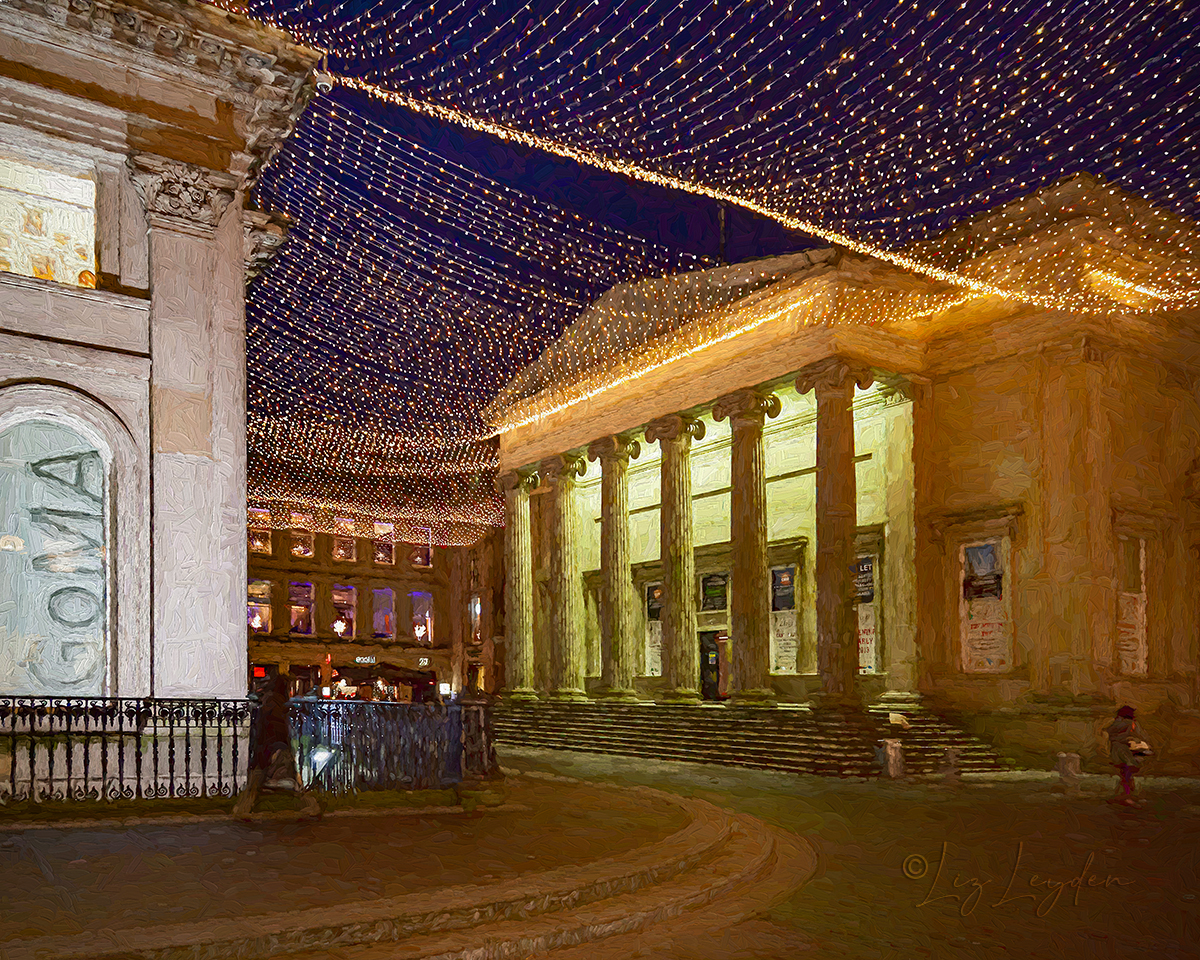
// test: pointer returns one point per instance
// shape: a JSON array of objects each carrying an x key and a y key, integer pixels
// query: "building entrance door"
[{"x": 714, "y": 667}]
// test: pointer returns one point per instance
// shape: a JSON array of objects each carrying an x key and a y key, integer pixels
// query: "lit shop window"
[
  {"x": 345, "y": 547},
  {"x": 1131, "y": 606},
  {"x": 422, "y": 617},
  {"x": 476, "y": 619},
  {"x": 302, "y": 537},
  {"x": 345, "y": 603},
  {"x": 422, "y": 553},
  {"x": 384, "y": 611},
  {"x": 47, "y": 224},
  {"x": 384, "y": 546},
  {"x": 258, "y": 606},
  {"x": 259, "y": 538},
  {"x": 300, "y": 598}
]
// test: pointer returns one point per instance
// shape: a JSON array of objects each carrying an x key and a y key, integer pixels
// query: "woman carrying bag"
[{"x": 1126, "y": 749}]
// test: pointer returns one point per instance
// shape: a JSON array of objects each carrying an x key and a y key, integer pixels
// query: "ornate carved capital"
[
  {"x": 615, "y": 447},
  {"x": 181, "y": 195},
  {"x": 833, "y": 373},
  {"x": 565, "y": 465},
  {"x": 747, "y": 404},
  {"x": 672, "y": 427},
  {"x": 264, "y": 233},
  {"x": 514, "y": 479}
]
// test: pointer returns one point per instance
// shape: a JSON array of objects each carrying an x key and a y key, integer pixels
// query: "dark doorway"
[{"x": 710, "y": 665}]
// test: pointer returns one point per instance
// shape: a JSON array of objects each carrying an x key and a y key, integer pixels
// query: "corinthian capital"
[
  {"x": 747, "y": 405},
  {"x": 566, "y": 466},
  {"x": 833, "y": 373},
  {"x": 181, "y": 195},
  {"x": 515, "y": 480},
  {"x": 264, "y": 233},
  {"x": 615, "y": 447},
  {"x": 673, "y": 426}
]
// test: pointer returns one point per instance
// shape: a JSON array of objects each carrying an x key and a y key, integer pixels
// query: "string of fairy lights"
[{"x": 418, "y": 280}]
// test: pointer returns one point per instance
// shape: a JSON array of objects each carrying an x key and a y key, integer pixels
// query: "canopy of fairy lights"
[{"x": 485, "y": 172}]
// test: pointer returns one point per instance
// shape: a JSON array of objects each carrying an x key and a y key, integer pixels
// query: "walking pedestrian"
[
  {"x": 1126, "y": 749},
  {"x": 273, "y": 763}
]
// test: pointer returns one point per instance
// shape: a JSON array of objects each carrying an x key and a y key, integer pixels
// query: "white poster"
[
  {"x": 783, "y": 641},
  {"x": 867, "y": 651},
  {"x": 654, "y": 648},
  {"x": 988, "y": 644},
  {"x": 1131, "y": 633}
]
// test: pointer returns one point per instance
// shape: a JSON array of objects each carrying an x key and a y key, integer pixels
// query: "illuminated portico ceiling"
[{"x": 429, "y": 264}]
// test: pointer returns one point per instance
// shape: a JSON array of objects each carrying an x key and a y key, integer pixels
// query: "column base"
[
  {"x": 680, "y": 695},
  {"x": 615, "y": 696},
  {"x": 754, "y": 698},
  {"x": 520, "y": 695},
  {"x": 569, "y": 695}
]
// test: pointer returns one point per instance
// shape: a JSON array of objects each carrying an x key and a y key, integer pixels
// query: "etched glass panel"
[
  {"x": 53, "y": 562},
  {"x": 47, "y": 224}
]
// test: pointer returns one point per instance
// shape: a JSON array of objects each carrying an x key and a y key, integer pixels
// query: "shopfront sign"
[{"x": 364, "y": 659}]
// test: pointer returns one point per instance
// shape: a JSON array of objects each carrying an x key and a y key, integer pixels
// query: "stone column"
[
  {"x": 518, "y": 587},
  {"x": 750, "y": 602},
  {"x": 834, "y": 380},
  {"x": 618, "y": 642},
  {"x": 681, "y": 644},
  {"x": 566, "y": 598}
]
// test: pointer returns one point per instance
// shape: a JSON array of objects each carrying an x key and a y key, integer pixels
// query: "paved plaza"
[{"x": 911, "y": 870}]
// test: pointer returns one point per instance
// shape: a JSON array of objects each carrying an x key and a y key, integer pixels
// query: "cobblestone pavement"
[
  {"x": 1006, "y": 866},
  {"x": 59, "y": 882}
]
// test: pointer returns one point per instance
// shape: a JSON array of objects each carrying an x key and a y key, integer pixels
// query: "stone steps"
[
  {"x": 568, "y": 903},
  {"x": 786, "y": 739},
  {"x": 758, "y": 866}
]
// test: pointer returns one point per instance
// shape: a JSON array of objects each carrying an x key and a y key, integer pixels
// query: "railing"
[
  {"x": 107, "y": 748},
  {"x": 110, "y": 748},
  {"x": 350, "y": 745}
]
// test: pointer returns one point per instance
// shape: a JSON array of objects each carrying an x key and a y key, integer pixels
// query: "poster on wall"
[
  {"x": 864, "y": 589},
  {"x": 783, "y": 589},
  {"x": 714, "y": 592},
  {"x": 784, "y": 647},
  {"x": 654, "y": 605},
  {"x": 1131, "y": 634},
  {"x": 986, "y": 630}
]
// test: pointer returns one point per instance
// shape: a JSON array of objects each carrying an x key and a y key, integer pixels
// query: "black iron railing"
[
  {"x": 112, "y": 748},
  {"x": 350, "y": 745},
  {"x": 108, "y": 748}
]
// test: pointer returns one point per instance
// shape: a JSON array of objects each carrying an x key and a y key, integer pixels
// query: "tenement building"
[
  {"x": 355, "y": 612},
  {"x": 824, "y": 478},
  {"x": 130, "y": 134}
]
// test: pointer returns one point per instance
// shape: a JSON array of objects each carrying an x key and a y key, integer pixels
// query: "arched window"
[{"x": 54, "y": 558}]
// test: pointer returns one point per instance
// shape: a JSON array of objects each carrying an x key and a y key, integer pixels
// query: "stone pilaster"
[
  {"x": 618, "y": 644},
  {"x": 518, "y": 587},
  {"x": 750, "y": 613},
  {"x": 834, "y": 380},
  {"x": 198, "y": 426},
  {"x": 681, "y": 645},
  {"x": 566, "y": 598}
]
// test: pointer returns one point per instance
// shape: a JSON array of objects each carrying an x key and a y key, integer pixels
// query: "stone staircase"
[{"x": 788, "y": 738}]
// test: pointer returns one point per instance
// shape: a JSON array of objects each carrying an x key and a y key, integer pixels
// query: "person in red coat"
[{"x": 1123, "y": 734}]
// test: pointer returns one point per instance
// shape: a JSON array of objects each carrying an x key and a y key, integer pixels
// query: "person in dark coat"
[
  {"x": 273, "y": 764},
  {"x": 1122, "y": 733}
]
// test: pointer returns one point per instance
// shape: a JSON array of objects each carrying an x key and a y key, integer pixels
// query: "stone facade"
[
  {"x": 984, "y": 502},
  {"x": 136, "y": 369}
]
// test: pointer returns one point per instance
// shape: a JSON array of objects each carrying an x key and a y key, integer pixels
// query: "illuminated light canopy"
[{"x": 419, "y": 280}]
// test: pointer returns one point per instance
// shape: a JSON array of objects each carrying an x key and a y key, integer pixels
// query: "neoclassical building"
[
  {"x": 130, "y": 135},
  {"x": 825, "y": 477}
]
